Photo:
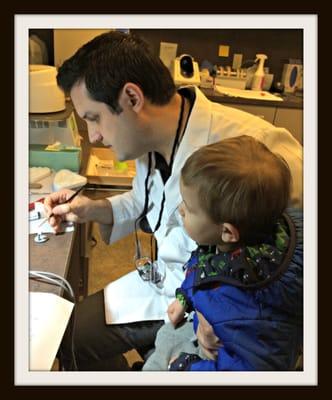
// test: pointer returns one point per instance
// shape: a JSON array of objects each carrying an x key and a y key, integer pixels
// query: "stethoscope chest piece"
[
  {"x": 149, "y": 271},
  {"x": 144, "y": 266}
]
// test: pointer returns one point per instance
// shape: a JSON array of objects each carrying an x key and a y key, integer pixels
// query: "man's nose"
[{"x": 94, "y": 135}]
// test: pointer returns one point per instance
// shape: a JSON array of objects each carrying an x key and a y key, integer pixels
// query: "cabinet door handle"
[{"x": 260, "y": 116}]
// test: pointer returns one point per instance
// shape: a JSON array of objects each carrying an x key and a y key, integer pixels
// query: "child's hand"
[
  {"x": 207, "y": 339},
  {"x": 175, "y": 312}
]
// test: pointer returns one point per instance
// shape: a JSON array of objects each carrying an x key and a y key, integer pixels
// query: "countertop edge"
[{"x": 290, "y": 101}]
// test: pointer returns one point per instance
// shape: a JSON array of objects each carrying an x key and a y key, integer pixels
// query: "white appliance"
[
  {"x": 292, "y": 77},
  {"x": 45, "y": 95},
  {"x": 185, "y": 70}
]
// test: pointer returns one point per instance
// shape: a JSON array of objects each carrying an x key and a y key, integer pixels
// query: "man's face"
[{"x": 113, "y": 130}]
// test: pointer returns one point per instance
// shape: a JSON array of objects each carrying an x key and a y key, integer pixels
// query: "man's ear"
[
  {"x": 229, "y": 234},
  {"x": 132, "y": 97}
]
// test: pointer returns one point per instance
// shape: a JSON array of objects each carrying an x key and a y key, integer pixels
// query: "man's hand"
[
  {"x": 206, "y": 338},
  {"x": 77, "y": 210},
  {"x": 175, "y": 312}
]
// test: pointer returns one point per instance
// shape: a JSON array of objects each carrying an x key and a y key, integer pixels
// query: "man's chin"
[
  {"x": 124, "y": 157},
  {"x": 119, "y": 156},
  {"x": 127, "y": 156}
]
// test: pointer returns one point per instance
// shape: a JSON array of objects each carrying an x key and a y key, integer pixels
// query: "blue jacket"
[{"x": 259, "y": 322}]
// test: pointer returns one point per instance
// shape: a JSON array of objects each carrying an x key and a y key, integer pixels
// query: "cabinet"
[
  {"x": 62, "y": 255},
  {"x": 291, "y": 119},
  {"x": 266, "y": 113}
]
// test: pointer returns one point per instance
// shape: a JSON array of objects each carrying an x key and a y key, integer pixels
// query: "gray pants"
[{"x": 170, "y": 342}]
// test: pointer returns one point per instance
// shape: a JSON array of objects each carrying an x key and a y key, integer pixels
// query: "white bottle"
[{"x": 258, "y": 78}]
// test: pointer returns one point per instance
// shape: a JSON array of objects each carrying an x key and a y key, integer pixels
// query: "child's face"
[{"x": 197, "y": 223}]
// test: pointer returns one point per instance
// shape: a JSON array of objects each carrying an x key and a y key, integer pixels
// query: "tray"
[{"x": 104, "y": 169}]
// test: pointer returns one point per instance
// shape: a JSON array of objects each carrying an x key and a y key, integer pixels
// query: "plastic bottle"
[{"x": 258, "y": 78}]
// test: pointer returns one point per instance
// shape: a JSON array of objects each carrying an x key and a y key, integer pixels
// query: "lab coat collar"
[{"x": 195, "y": 136}]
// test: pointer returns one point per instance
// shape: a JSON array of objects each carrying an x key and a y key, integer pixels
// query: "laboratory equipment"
[
  {"x": 185, "y": 70},
  {"x": 45, "y": 95},
  {"x": 51, "y": 120},
  {"x": 48, "y": 129},
  {"x": 41, "y": 237}
]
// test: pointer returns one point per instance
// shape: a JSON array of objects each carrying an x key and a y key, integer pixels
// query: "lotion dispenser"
[{"x": 258, "y": 78}]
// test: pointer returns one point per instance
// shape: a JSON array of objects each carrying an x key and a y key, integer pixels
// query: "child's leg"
[{"x": 169, "y": 343}]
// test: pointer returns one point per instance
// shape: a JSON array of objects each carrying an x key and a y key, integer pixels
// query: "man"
[{"x": 129, "y": 101}]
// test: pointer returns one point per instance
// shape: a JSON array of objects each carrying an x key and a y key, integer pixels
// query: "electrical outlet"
[{"x": 223, "y": 50}]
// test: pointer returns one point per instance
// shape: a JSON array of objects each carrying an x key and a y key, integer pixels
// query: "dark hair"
[
  {"x": 112, "y": 59},
  {"x": 240, "y": 181}
]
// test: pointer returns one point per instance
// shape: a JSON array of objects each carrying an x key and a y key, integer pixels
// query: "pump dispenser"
[{"x": 258, "y": 78}]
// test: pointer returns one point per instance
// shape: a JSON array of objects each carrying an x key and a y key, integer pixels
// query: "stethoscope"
[{"x": 145, "y": 266}]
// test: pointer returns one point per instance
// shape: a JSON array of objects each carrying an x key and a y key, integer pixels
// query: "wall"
[
  {"x": 67, "y": 41},
  {"x": 203, "y": 44}
]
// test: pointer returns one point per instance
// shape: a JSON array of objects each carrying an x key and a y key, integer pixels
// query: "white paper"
[
  {"x": 49, "y": 316},
  {"x": 130, "y": 299},
  {"x": 34, "y": 226},
  {"x": 167, "y": 53},
  {"x": 247, "y": 94}
]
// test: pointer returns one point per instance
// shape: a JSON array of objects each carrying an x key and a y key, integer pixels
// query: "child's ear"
[{"x": 229, "y": 234}]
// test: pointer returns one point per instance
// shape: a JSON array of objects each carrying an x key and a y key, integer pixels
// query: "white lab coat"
[{"x": 130, "y": 299}]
